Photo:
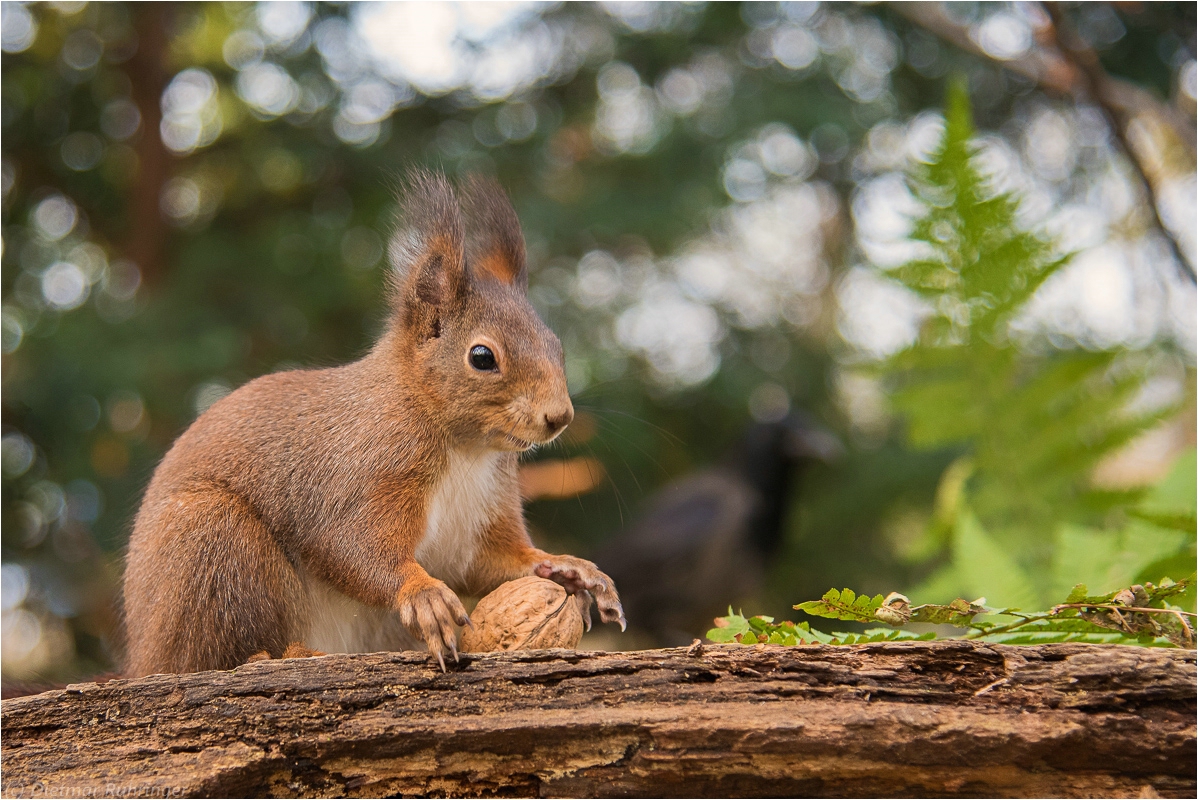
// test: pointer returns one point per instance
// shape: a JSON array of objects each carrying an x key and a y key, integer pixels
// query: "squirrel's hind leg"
[{"x": 207, "y": 586}]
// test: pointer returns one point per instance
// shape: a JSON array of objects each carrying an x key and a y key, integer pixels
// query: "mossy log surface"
[{"x": 924, "y": 719}]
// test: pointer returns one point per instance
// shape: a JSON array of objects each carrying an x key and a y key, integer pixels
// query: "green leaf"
[
  {"x": 988, "y": 568},
  {"x": 872, "y": 635},
  {"x": 1054, "y": 637},
  {"x": 843, "y": 605},
  {"x": 1183, "y": 522},
  {"x": 944, "y": 584},
  {"x": 1070, "y": 630},
  {"x": 1030, "y": 419},
  {"x": 1096, "y": 558},
  {"x": 811, "y": 636},
  {"x": 738, "y": 629},
  {"x": 1165, "y": 588},
  {"x": 1080, "y": 594},
  {"x": 761, "y": 623},
  {"x": 1174, "y": 497},
  {"x": 721, "y": 635},
  {"x": 959, "y": 612},
  {"x": 1122, "y": 617},
  {"x": 728, "y": 628}
]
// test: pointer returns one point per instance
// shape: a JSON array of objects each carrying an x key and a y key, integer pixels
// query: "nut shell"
[{"x": 525, "y": 614}]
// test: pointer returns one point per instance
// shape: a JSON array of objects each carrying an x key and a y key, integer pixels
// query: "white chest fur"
[{"x": 463, "y": 502}]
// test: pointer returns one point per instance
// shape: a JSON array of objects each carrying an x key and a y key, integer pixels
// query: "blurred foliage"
[
  {"x": 197, "y": 194},
  {"x": 1033, "y": 423}
]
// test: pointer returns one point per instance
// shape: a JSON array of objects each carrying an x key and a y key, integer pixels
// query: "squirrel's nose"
[{"x": 554, "y": 422}]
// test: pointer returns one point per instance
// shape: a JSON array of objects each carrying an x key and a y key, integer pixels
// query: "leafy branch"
[
  {"x": 1030, "y": 416},
  {"x": 844, "y": 605},
  {"x": 1139, "y": 614}
]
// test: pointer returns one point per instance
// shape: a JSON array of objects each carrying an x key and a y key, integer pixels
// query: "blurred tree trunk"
[
  {"x": 898, "y": 719},
  {"x": 147, "y": 229}
]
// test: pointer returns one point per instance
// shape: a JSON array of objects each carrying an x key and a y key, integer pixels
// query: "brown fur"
[{"x": 308, "y": 490}]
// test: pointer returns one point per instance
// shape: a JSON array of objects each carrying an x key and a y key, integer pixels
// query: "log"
[{"x": 949, "y": 718}]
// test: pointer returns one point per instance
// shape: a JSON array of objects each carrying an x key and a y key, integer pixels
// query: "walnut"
[{"x": 525, "y": 614}]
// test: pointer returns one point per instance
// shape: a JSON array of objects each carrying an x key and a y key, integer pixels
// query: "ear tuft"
[
  {"x": 427, "y": 252},
  {"x": 495, "y": 244}
]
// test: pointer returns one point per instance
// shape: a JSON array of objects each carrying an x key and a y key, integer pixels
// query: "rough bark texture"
[{"x": 900, "y": 719}]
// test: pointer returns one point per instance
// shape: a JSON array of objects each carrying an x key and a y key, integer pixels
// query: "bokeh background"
[{"x": 713, "y": 194}]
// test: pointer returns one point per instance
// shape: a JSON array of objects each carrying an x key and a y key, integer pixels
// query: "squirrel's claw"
[
  {"x": 610, "y": 610},
  {"x": 579, "y": 577},
  {"x": 429, "y": 614},
  {"x": 586, "y": 600}
]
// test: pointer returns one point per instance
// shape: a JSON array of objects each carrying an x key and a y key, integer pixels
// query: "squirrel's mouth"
[{"x": 518, "y": 443}]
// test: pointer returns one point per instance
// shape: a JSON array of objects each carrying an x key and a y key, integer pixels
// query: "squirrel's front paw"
[
  {"x": 581, "y": 577},
  {"x": 429, "y": 610}
]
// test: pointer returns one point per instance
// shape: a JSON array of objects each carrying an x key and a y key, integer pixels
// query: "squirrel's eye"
[{"x": 481, "y": 358}]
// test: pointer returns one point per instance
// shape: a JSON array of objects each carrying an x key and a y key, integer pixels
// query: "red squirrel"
[{"x": 345, "y": 508}]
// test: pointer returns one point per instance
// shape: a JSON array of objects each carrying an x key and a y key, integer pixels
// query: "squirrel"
[{"x": 345, "y": 508}]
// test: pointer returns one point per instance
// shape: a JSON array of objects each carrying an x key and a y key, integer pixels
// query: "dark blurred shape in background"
[
  {"x": 705, "y": 540},
  {"x": 713, "y": 195}
]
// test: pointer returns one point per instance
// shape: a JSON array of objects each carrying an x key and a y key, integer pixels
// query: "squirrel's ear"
[
  {"x": 494, "y": 245},
  {"x": 427, "y": 257}
]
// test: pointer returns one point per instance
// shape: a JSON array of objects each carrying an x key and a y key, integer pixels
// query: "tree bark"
[{"x": 927, "y": 719}]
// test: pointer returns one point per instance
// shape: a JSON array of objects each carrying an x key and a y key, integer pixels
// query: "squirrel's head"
[{"x": 472, "y": 346}]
